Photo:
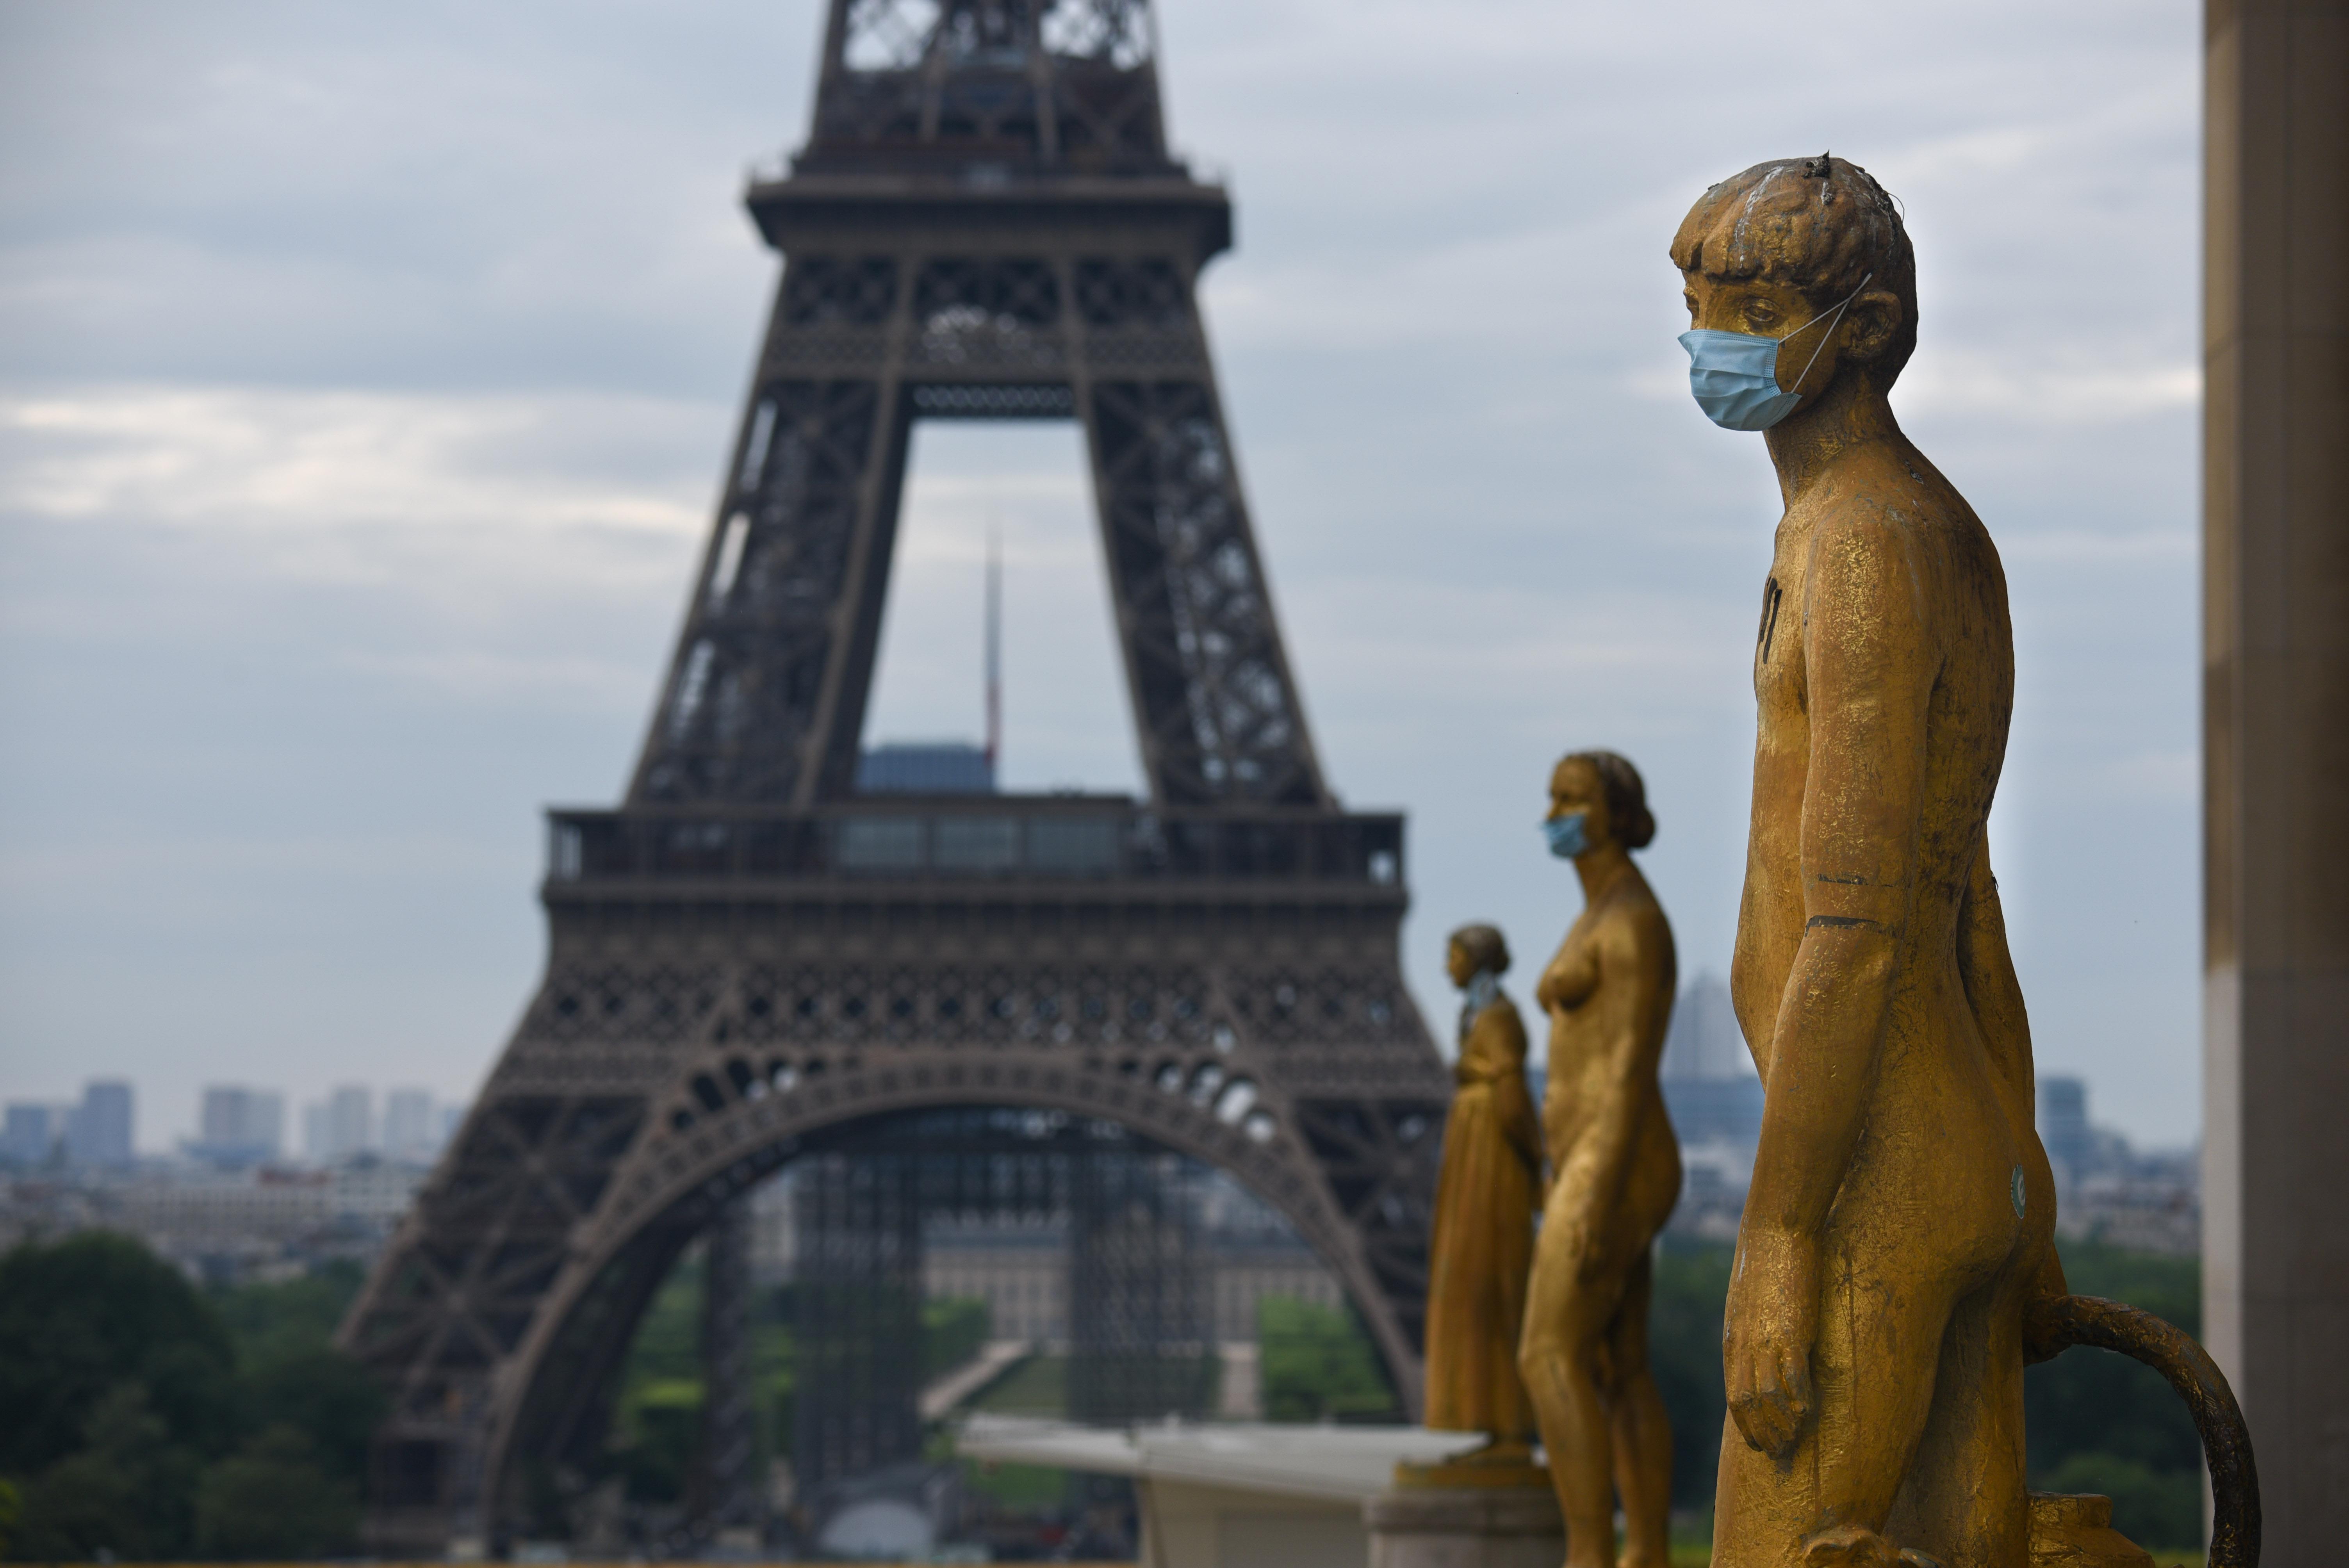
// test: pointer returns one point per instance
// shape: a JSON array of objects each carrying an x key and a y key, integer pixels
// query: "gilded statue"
[
  {"x": 1482, "y": 1241},
  {"x": 1898, "y": 1227},
  {"x": 1896, "y": 1266},
  {"x": 1615, "y": 1173}
]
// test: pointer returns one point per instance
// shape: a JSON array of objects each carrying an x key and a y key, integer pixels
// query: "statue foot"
[{"x": 1854, "y": 1547}]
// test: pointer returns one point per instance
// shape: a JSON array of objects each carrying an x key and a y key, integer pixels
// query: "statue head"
[
  {"x": 1797, "y": 241},
  {"x": 1607, "y": 793},
  {"x": 1477, "y": 950}
]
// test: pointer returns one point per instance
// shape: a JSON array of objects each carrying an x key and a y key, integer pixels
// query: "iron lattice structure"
[
  {"x": 1140, "y": 1343},
  {"x": 985, "y": 224}
]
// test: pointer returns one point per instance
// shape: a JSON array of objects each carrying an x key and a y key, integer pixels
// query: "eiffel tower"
[{"x": 747, "y": 957}]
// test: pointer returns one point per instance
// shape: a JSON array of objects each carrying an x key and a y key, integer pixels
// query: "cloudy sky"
[{"x": 366, "y": 369}]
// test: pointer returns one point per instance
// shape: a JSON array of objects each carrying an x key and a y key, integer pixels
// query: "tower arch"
[{"x": 562, "y": 1371}]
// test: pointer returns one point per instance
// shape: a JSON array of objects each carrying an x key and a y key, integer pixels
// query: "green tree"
[
  {"x": 953, "y": 1330},
  {"x": 324, "y": 1396},
  {"x": 270, "y": 1319},
  {"x": 88, "y": 1314},
  {"x": 124, "y": 1492},
  {"x": 2100, "y": 1422},
  {"x": 274, "y": 1501},
  {"x": 1685, "y": 1353},
  {"x": 661, "y": 1433},
  {"x": 2152, "y": 1508},
  {"x": 141, "y": 1416},
  {"x": 657, "y": 1414},
  {"x": 1317, "y": 1362}
]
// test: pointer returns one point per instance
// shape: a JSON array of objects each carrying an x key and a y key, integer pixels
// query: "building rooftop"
[{"x": 926, "y": 768}]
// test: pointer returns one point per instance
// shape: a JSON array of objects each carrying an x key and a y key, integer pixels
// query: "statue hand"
[{"x": 1772, "y": 1320}]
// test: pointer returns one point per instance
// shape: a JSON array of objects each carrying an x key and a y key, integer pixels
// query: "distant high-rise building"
[
  {"x": 1711, "y": 1089},
  {"x": 2063, "y": 1126},
  {"x": 100, "y": 1131},
  {"x": 264, "y": 1121},
  {"x": 31, "y": 1132},
  {"x": 1704, "y": 1041},
  {"x": 239, "y": 1127},
  {"x": 345, "y": 1125},
  {"x": 409, "y": 1127}
]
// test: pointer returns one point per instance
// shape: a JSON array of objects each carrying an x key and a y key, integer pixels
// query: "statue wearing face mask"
[
  {"x": 1482, "y": 1240},
  {"x": 1898, "y": 1233},
  {"x": 1615, "y": 1174}
]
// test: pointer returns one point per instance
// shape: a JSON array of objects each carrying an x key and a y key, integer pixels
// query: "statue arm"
[{"x": 1869, "y": 670}]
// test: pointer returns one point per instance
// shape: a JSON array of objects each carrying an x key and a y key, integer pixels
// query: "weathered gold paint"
[
  {"x": 1615, "y": 1173},
  {"x": 1482, "y": 1241},
  {"x": 1901, "y": 1213}
]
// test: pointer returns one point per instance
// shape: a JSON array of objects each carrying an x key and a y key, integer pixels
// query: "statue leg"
[
  {"x": 1642, "y": 1432},
  {"x": 1966, "y": 1500},
  {"x": 1873, "y": 1371},
  {"x": 1569, "y": 1309}
]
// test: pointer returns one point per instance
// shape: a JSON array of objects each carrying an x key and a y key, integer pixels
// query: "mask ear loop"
[{"x": 1822, "y": 348}]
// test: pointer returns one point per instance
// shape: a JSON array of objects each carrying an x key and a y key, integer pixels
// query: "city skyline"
[
  {"x": 1704, "y": 1046},
  {"x": 234, "y": 1124}
]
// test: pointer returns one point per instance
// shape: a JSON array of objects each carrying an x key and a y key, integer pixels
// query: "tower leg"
[
  {"x": 857, "y": 1323},
  {"x": 729, "y": 1495},
  {"x": 1139, "y": 1336}
]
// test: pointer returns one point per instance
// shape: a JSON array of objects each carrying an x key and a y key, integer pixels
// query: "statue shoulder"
[
  {"x": 1633, "y": 925},
  {"x": 1500, "y": 1028}
]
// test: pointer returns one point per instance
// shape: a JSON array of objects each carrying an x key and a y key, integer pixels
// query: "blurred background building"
[
  {"x": 229, "y": 1204},
  {"x": 2106, "y": 1190},
  {"x": 1714, "y": 1099},
  {"x": 99, "y": 1132},
  {"x": 239, "y": 1127}
]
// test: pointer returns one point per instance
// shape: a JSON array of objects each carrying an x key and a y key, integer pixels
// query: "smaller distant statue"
[
  {"x": 1484, "y": 1233},
  {"x": 1615, "y": 1174}
]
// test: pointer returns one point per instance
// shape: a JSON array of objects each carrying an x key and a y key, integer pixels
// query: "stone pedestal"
[
  {"x": 1465, "y": 1527},
  {"x": 2078, "y": 1532}
]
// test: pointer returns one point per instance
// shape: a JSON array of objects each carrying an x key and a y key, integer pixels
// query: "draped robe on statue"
[{"x": 1483, "y": 1245}]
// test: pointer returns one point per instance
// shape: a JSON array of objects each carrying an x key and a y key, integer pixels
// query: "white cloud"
[
  {"x": 471, "y": 502},
  {"x": 214, "y": 457},
  {"x": 2014, "y": 390}
]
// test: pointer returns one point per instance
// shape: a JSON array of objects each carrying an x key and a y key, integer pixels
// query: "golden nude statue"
[
  {"x": 1901, "y": 1218},
  {"x": 1483, "y": 1242},
  {"x": 1615, "y": 1173}
]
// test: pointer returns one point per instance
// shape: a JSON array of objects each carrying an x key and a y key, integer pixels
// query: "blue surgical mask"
[
  {"x": 1735, "y": 375},
  {"x": 1565, "y": 836}
]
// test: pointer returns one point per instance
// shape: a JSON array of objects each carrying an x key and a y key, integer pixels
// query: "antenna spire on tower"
[{"x": 994, "y": 647}]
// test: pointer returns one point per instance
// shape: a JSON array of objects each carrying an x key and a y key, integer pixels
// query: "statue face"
[
  {"x": 1459, "y": 965},
  {"x": 1760, "y": 307},
  {"x": 1575, "y": 787}
]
